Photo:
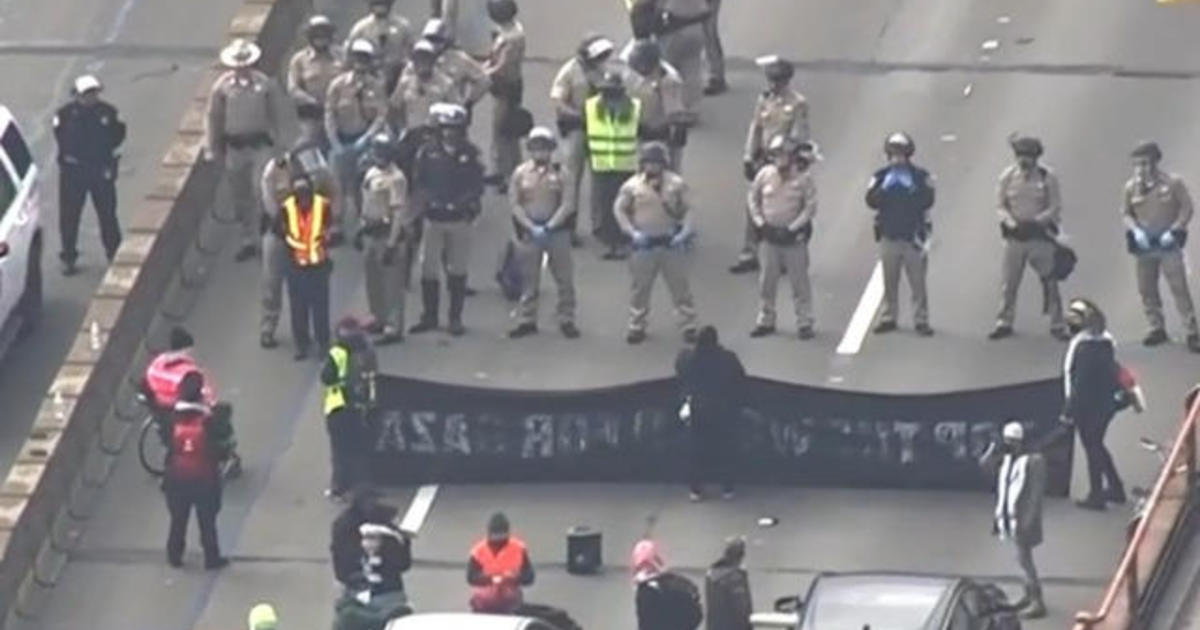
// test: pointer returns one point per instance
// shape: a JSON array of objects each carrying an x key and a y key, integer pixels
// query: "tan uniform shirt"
[
  {"x": 1029, "y": 197},
  {"x": 1162, "y": 206},
  {"x": 781, "y": 201},
  {"x": 385, "y": 199},
  {"x": 276, "y": 185},
  {"x": 508, "y": 53},
  {"x": 661, "y": 94},
  {"x": 355, "y": 104},
  {"x": 413, "y": 96},
  {"x": 653, "y": 210},
  {"x": 392, "y": 37},
  {"x": 467, "y": 74},
  {"x": 776, "y": 114},
  {"x": 243, "y": 106},
  {"x": 309, "y": 75},
  {"x": 572, "y": 87},
  {"x": 537, "y": 192}
]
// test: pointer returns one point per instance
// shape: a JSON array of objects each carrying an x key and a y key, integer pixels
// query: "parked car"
[
  {"x": 892, "y": 601},
  {"x": 466, "y": 621},
  {"x": 20, "y": 235}
]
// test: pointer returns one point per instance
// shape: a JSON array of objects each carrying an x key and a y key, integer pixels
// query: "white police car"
[{"x": 20, "y": 235}]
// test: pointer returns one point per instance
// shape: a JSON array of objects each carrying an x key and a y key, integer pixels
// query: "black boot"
[
  {"x": 431, "y": 293},
  {"x": 458, "y": 293}
]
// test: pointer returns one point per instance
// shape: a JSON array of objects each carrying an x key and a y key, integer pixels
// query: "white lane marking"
[
  {"x": 864, "y": 314},
  {"x": 421, "y": 504}
]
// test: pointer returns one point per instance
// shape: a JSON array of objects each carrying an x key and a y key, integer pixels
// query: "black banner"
[{"x": 792, "y": 434}]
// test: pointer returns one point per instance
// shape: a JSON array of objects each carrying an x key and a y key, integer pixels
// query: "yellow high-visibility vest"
[
  {"x": 335, "y": 394},
  {"x": 305, "y": 234},
  {"x": 612, "y": 142}
]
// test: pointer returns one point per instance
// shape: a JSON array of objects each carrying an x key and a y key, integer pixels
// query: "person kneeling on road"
[
  {"x": 197, "y": 441},
  {"x": 377, "y": 595},
  {"x": 498, "y": 568}
]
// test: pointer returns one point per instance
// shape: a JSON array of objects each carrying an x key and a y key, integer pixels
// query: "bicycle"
[{"x": 152, "y": 452}]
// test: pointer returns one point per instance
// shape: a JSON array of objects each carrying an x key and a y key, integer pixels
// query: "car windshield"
[{"x": 850, "y": 603}]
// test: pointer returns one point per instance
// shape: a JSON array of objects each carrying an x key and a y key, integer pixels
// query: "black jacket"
[
  {"x": 345, "y": 543},
  {"x": 659, "y": 607},
  {"x": 901, "y": 214},
  {"x": 714, "y": 379},
  {"x": 727, "y": 594},
  {"x": 1090, "y": 377},
  {"x": 450, "y": 185},
  {"x": 384, "y": 572},
  {"x": 88, "y": 135}
]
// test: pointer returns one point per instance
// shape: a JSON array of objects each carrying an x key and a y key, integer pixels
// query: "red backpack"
[{"x": 190, "y": 457}]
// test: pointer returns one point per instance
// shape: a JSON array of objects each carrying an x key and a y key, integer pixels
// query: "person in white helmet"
[
  {"x": 1020, "y": 485},
  {"x": 309, "y": 74},
  {"x": 540, "y": 212},
  {"x": 88, "y": 131},
  {"x": 356, "y": 109},
  {"x": 244, "y": 117}
]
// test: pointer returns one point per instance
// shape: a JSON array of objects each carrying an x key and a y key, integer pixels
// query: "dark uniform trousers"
[
  {"x": 712, "y": 449},
  {"x": 347, "y": 449},
  {"x": 75, "y": 183},
  {"x": 308, "y": 298},
  {"x": 182, "y": 495},
  {"x": 606, "y": 185}
]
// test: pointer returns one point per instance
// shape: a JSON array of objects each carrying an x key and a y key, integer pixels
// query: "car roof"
[
  {"x": 457, "y": 621},
  {"x": 883, "y": 601}
]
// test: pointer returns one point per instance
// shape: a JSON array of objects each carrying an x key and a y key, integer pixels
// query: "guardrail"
[
  {"x": 1149, "y": 544},
  {"x": 83, "y": 422}
]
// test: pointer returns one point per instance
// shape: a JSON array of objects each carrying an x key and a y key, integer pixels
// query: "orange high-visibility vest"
[
  {"x": 305, "y": 234},
  {"x": 509, "y": 559}
]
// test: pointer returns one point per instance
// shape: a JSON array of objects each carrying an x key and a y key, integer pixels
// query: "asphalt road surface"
[
  {"x": 1089, "y": 76},
  {"x": 150, "y": 56}
]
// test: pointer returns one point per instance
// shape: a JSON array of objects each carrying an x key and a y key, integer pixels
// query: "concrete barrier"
[{"x": 36, "y": 493}]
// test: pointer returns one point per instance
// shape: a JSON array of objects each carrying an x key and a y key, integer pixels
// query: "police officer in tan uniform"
[
  {"x": 420, "y": 87},
  {"x": 245, "y": 109},
  {"x": 304, "y": 159},
  {"x": 468, "y": 75},
  {"x": 654, "y": 211},
  {"x": 783, "y": 203},
  {"x": 537, "y": 195},
  {"x": 683, "y": 47},
  {"x": 660, "y": 91},
  {"x": 779, "y": 110},
  {"x": 385, "y": 233},
  {"x": 356, "y": 109},
  {"x": 310, "y": 72},
  {"x": 576, "y": 81},
  {"x": 1157, "y": 209},
  {"x": 1029, "y": 203},
  {"x": 503, "y": 68},
  {"x": 391, "y": 35}
]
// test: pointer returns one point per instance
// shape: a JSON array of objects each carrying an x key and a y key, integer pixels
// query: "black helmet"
[
  {"x": 1026, "y": 145},
  {"x": 645, "y": 56},
  {"x": 1147, "y": 149},
  {"x": 502, "y": 10},
  {"x": 319, "y": 25},
  {"x": 654, "y": 152},
  {"x": 612, "y": 82},
  {"x": 899, "y": 142}
]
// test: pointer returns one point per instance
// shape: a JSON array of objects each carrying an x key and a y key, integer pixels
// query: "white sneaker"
[{"x": 695, "y": 497}]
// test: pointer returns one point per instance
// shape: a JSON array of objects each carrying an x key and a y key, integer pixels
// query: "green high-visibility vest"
[
  {"x": 612, "y": 142},
  {"x": 335, "y": 395}
]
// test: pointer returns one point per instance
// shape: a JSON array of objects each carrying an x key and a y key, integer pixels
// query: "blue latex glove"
[
  {"x": 1141, "y": 238},
  {"x": 361, "y": 144},
  {"x": 640, "y": 241},
  {"x": 539, "y": 233},
  {"x": 1167, "y": 240},
  {"x": 680, "y": 239},
  {"x": 898, "y": 177}
]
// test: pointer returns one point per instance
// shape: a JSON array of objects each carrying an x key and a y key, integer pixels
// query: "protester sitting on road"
[
  {"x": 498, "y": 568},
  {"x": 384, "y": 557},
  {"x": 727, "y": 590},
  {"x": 345, "y": 544},
  {"x": 664, "y": 600}
]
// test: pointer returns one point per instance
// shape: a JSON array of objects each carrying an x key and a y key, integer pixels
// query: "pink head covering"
[{"x": 646, "y": 560}]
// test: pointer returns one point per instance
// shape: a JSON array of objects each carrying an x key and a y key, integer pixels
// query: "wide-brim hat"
[{"x": 240, "y": 53}]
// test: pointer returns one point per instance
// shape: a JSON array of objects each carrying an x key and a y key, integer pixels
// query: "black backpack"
[{"x": 684, "y": 598}]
